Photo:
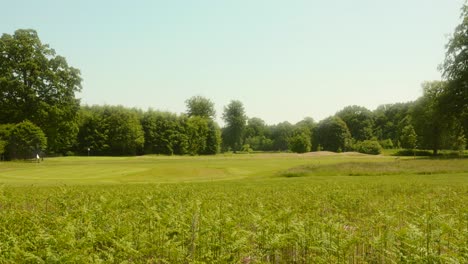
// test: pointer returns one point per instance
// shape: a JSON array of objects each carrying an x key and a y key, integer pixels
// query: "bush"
[
  {"x": 386, "y": 144},
  {"x": 26, "y": 140},
  {"x": 246, "y": 148},
  {"x": 368, "y": 147},
  {"x": 300, "y": 143}
]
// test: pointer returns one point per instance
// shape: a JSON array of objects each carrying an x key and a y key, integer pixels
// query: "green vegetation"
[{"x": 251, "y": 208}]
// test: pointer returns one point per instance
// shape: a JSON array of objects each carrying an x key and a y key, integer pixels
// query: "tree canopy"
[
  {"x": 235, "y": 118},
  {"x": 38, "y": 85},
  {"x": 455, "y": 71},
  {"x": 200, "y": 106}
]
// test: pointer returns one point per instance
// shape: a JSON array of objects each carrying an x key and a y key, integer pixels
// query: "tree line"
[{"x": 39, "y": 113}]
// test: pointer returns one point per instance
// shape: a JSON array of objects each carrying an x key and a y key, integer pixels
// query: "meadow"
[{"x": 250, "y": 208}]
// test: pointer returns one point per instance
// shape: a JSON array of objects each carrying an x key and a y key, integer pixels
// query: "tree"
[
  {"x": 387, "y": 124},
  {"x": 255, "y": 127},
  {"x": 359, "y": 120},
  {"x": 200, "y": 106},
  {"x": 333, "y": 134},
  {"x": 26, "y": 140},
  {"x": 255, "y": 135},
  {"x": 5, "y": 132},
  {"x": 408, "y": 137},
  {"x": 235, "y": 118},
  {"x": 300, "y": 142},
  {"x": 197, "y": 132},
  {"x": 213, "y": 139},
  {"x": 280, "y": 134},
  {"x": 455, "y": 71},
  {"x": 430, "y": 122},
  {"x": 38, "y": 85},
  {"x": 111, "y": 130},
  {"x": 202, "y": 127}
]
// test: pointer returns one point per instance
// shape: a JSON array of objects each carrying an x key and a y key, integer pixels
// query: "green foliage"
[
  {"x": 213, "y": 139},
  {"x": 246, "y": 148},
  {"x": 260, "y": 143},
  {"x": 387, "y": 121},
  {"x": 386, "y": 144},
  {"x": 200, "y": 106},
  {"x": 164, "y": 133},
  {"x": 431, "y": 123},
  {"x": 196, "y": 129},
  {"x": 300, "y": 141},
  {"x": 255, "y": 127},
  {"x": 359, "y": 120},
  {"x": 368, "y": 147},
  {"x": 455, "y": 70},
  {"x": 3, "y": 144},
  {"x": 26, "y": 140},
  {"x": 280, "y": 134},
  {"x": 38, "y": 85},
  {"x": 333, "y": 134},
  {"x": 408, "y": 137},
  {"x": 167, "y": 133},
  {"x": 235, "y": 118},
  {"x": 110, "y": 130}
]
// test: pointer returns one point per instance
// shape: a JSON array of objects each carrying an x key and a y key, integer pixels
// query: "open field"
[{"x": 262, "y": 208}]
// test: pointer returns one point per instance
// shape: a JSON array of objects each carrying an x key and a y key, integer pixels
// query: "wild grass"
[
  {"x": 248, "y": 215},
  {"x": 395, "y": 167}
]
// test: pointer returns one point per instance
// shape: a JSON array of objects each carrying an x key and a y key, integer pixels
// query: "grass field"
[{"x": 258, "y": 208}]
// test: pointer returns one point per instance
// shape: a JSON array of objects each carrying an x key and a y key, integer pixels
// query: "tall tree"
[
  {"x": 200, "y": 106},
  {"x": 256, "y": 135},
  {"x": 408, "y": 137},
  {"x": 281, "y": 133},
  {"x": 388, "y": 120},
  {"x": 235, "y": 118},
  {"x": 333, "y": 134},
  {"x": 213, "y": 139},
  {"x": 455, "y": 71},
  {"x": 430, "y": 121},
  {"x": 359, "y": 120},
  {"x": 38, "y": 85}
]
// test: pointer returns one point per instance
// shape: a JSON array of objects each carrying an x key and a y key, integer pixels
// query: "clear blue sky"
[{"x": 284, "y": 60}]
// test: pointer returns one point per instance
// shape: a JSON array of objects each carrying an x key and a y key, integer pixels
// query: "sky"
[{"x": 284, "y": 60}]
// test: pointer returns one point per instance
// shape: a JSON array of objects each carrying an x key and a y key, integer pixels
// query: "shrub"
[
  {"x": 26, "y": 140},
  {"x": 368, "y": 147},
  {"x": 386, "y": 144},
  {"x": 300, "y": 143}
]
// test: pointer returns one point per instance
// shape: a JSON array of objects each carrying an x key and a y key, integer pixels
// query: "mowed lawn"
[
  {"x": 167, "y": 169},
  {"x": 160, "y": 169}
]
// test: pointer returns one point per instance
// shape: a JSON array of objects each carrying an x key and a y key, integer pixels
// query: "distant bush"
[
  {"x": 300, "y": 143},
  {"x": 246, "y": 148},
  {"x": 386, "y": 144},
  {"x": 368, "y": 147}
]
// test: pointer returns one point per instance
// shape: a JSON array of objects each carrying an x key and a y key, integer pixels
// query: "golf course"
[{"x": 318, "y": 207}]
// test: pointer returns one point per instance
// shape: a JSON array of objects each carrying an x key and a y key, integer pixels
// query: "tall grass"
[{"x": 295, "y": 220}]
